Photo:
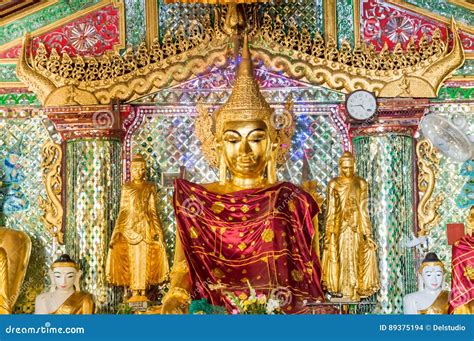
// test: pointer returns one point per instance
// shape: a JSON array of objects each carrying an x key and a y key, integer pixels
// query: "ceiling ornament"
[{"x": 416, "y": 71}]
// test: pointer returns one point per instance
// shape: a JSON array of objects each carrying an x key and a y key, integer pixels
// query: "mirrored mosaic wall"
[
  {"x": 450, "y": 182},
  {"x": 21, "y": 185},
  {"x": 168, "y": 141},
  {"x": 386, "y": 162},
  {"x": 93, "y": 192},
  {"x": 307, "y": 13}
]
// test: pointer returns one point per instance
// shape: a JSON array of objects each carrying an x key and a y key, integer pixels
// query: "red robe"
[
  {"x": 261, "y": 236},
  {"x": 462, "y": 287}
]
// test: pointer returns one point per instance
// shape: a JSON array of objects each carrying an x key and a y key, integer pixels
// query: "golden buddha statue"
[
  {"x": 349, "y": 261},
  {"x": 247, "y": 228},
  {"x": 432, "y": 299},
  {"x": 15, "y": 250},
  {"x": 137, "y": 256},
  {"x": 64, "y": 297}
]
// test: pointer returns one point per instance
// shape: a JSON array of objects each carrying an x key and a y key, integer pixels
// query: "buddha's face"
[
  {"x": 64, "y": 278},
  {"x": 138, "y": 170},
  {"x": 245, "y": 145},
  {"x": 432, "y": 276},
  {"x": 347, "y": 168}
]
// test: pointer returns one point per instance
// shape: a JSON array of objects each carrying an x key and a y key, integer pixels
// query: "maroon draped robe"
[{"x": 260, "y": 236}]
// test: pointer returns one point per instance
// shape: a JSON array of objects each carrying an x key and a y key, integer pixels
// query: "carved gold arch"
[{"x": 417, "y": 71}]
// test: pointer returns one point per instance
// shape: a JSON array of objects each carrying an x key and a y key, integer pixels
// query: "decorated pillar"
[
  {"x": 93, "y": 141},
  {"x": 384, "y": 149}
]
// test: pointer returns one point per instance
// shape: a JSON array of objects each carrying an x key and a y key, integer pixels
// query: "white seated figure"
[
  {"x": 64, "y": 297},
  {"x": 432, "y": 299}
]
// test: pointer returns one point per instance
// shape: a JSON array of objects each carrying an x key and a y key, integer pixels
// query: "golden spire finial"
[{"x": 246, "y": 102}]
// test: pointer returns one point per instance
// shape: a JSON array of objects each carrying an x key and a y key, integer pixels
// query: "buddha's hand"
[{"x": 176, "y": 301}]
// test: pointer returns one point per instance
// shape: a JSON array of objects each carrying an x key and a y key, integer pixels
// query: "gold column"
[
  {"x": 330, "y": 28},
  {"x": 356, "y": 9},
  {"x": 151, "y": 14}
]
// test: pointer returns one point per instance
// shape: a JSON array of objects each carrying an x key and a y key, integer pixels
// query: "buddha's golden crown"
[{"x": 245, "y": 103}]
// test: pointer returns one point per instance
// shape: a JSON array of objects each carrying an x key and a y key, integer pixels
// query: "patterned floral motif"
[
  {"x": 42, "y": 18},
  {"x": 399, "y": 29},
  {"x": 92, "y": 34},
  {"x": 83, "y": 37},
  {"x": 385, "y": 23}
]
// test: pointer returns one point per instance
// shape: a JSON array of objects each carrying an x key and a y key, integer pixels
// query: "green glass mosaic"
[
  {"x": 453, "y": 94},
  {"x": 466, "y": 70},
  {"x": 446, "y": 9},
  {"x": 449, "y": 182},
  {"x": 386, "y": 162},
  {"x": 135, "y": 23},
  {"x": 46, "y": 16},
  {"x": 8, "y": 73},
  {"x": 19, "y": 207},
  {"x": 345, "y": 21},
  {"x": 20, "y": 99},
  {"x": 93, "y": 195},
  {"x": 307, "y": 13}
]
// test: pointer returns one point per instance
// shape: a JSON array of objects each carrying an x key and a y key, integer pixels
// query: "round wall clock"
[{"x": 361, "y": 105}]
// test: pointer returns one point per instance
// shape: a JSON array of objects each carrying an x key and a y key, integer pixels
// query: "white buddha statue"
[
  {"x": 64, "y": 297},
  {"x": 432, "y": 299}
]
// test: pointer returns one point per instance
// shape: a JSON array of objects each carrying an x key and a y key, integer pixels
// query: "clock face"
[{"x": 361, "y": 105}]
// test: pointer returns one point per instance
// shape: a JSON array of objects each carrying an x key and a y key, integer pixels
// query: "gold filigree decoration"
[
  {"x": 89, "y": 80},
  {"x": 417, "y": 71},
  {"x": 414, "y": 72},
  {"x": 428, "y": 163},
  {"x": 53, "y": 210}
]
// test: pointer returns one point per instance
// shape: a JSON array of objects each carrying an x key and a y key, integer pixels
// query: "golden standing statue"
[
  {"x": 15, "y": 249},
  {"x": 349, "y": 264},
  {"x": 65, "y": 296},
  {"x": 137, "y": 256}
]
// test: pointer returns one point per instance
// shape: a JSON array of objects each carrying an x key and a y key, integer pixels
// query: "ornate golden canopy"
[{"x": 417, "y": 71}]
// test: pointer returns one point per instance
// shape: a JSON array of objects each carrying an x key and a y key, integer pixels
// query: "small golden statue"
[
  {"x": 431, "y": 299},
  {"x": 64, "y": 297},
  {"x": 15, "y": 249},
  {"x": 349, "y": 261},
  {"x": 137, "y": 256}
]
